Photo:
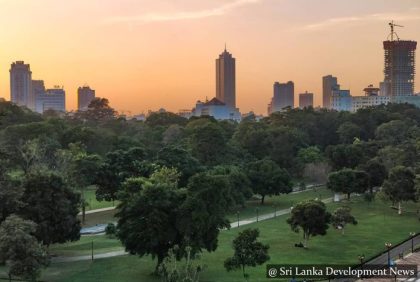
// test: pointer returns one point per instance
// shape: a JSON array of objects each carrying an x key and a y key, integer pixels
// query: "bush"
[{"x": 111, "y": 230}]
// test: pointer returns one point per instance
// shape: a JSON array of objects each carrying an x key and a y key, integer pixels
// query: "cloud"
[
  {"x": 183, "y": 15},
  {"x": 361, "y": 19}
]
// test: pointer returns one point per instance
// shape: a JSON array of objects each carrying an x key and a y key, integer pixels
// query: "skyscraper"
[
  {"x": 225, "y": 79},
  {"x": 329, "y": 84},
  {"x": 283, "y": 96},
  {"x": 85, "y": 95},
  {"x": 21, "y": 85},
  {"x": 306, "y": 100},
  {"x": 399, "y": 67}
]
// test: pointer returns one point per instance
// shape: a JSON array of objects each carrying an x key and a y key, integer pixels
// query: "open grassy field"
[
  {"x": 377, "y": 224},
  {"x": 278, "y": 203},
  {"x": 94, "y": 204}
]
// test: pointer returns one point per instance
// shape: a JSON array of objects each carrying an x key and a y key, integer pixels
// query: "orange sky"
[{"x": 147, "y": 54}]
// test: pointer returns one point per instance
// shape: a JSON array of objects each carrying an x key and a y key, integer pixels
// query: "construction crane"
[{"x": 392, "y": 25}]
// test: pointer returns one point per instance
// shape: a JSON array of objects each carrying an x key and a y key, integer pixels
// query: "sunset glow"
[{"x": 144, "y": 54}]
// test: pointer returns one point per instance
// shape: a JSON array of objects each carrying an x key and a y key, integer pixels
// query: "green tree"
[
  {"x": 348, "y": 132},
  {"x": 312, "y": 217},
  {"x": 173, "y": 271},
  {"x": 53, "y": 206},
  {"x": 247, "y": 252},
  {"x": 165, "y": 119},
  {"x": 348, "y": 181},
  {"x": 341, "y": 217},
  {"x": 207, "y": 141},
  {"x": 20, "y": 250},
  {"x": 98, "y": 110},
  {"x": 240, "y": 188},
  {"x": 118, "y": 166},
  {"x": 400, "y": 186},
  {"x": 267, "y": 178},
  {"x": 376, "y": 172},
  {"x": 181, "y": 159}
]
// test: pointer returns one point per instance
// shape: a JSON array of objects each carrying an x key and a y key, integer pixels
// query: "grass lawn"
[
  {"x": 94, "y": 204},
  {"x": 278, "y": 203},
  {"x": 377, "y": 224},
  {"x": 101, "y": 244}
]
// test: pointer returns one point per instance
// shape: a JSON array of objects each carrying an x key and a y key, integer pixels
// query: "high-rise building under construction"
[{"x": 400, "y": 67}]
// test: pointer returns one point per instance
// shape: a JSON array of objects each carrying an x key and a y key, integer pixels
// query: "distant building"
[
  {"x": 216, "y": 109},
  {"x": 52, "y": 99},
  {"x": 185, "y": 113},
  {"x": 399, "y": 69},
  {"x": 139, "y": 117},
  {"x": 226, "y": 79},
  {"x": 85, "y": 95},
  {"x": 38, "y": 89},
  {"x": 384, "y": 88},
  {"x": 329, "y": 84},
  {"x": 283, "y": 97},
  {"x": 341, "y": 100},
  {"x": 21, "y": 85},
  {"x": 306, "y": 100},
  {"x": 360, "y": 102}
]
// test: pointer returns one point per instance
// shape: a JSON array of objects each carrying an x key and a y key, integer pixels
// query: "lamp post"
[
  {"x": 237, "y": 216},
  {"x": 257, "y": 213},
  {"x": 361, "y": 259},
  {"x": 388, "y": 246},
  {"x": 412, "y": 234}
]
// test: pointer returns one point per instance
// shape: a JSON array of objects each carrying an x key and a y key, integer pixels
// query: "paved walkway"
[
  {"x": 232, "y": 225},
  {"x": 410, "y": 259},
  {"x": 98, "y": 210}
]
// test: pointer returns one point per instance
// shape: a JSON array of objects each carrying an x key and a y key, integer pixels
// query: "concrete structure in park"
[
  {"x": 226, "y": 79},
  {"x": 85, "y": 95},
  {"x": 283, "y": 97},
  {"x": 329, "y": 84},
  {"x": 306, "y": 100},
  {"x": 52, "y": 99},
  {"x": 216, "y": 109},
  {"x": 21, "y": 85}
]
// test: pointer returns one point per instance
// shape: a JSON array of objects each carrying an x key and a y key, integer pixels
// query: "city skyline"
[{"x": 136, "y": 70}]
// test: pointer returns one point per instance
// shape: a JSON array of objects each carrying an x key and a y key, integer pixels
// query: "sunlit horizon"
[{"x": 145, "y": 55}]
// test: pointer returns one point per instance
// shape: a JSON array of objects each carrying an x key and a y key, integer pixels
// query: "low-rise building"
[
  {"x": 52, "y": 99},
  {"x": 216, "y": 109}
]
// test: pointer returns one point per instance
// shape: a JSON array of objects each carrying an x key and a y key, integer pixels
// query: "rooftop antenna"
[
  {"x": 225, "y": 46},
  {"x": 392, "y": 25}
]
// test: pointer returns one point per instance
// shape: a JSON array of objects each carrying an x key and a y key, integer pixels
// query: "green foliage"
[
  {"x": 348, "y": 132},
  {"x": 155, "y": 215},
  {"x": 311, "y": 217},
  {"x": 348, "y": 181},
  {"x": 400, "y": 186},
  {"x": 267, "y": 178},
  {"x": 20, "y": 250},
  {"x": 110, "y": 230},
  {"x": 208, "y": 142},
  {"x": 165, "y": 119},
  {"x": 341, "y": 217},
  {"x": 53, "y": 206},
  {"x": 248, "y": 252},
  {"x": 173, "y": 270}
]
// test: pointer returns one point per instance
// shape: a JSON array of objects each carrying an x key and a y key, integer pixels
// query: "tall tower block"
[
  {"x": 226, "y": 79},
  {"x": 400, "y": 65}
]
